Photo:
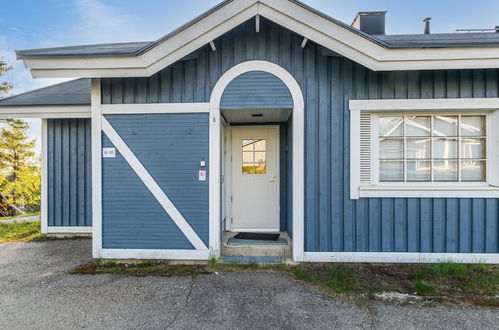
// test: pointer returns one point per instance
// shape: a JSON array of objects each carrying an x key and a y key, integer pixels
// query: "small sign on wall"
[
  {"x": 202, "y": 175},
  {"x": 108, "y": 152}
]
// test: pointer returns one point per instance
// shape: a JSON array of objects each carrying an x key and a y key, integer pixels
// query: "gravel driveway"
[{"x": 36, "y": 292}]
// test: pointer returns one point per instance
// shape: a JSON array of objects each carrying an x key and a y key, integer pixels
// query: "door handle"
[{"x": 274, "y": 179}]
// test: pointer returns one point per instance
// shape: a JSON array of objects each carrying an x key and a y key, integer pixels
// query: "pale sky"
[{"x": 26, "y": 24}]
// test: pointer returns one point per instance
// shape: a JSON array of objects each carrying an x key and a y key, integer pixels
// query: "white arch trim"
[{"x": 298, "y": 152}]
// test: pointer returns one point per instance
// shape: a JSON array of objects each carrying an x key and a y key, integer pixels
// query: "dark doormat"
[{"x": 258, "y": 236}]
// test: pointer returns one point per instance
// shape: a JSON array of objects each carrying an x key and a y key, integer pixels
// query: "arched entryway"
[{"x": 263, "y": 73}]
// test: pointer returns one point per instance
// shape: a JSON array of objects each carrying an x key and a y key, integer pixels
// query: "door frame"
[
  {"x": 228, "y": 179},
  {"x": 215, "y": 158}
]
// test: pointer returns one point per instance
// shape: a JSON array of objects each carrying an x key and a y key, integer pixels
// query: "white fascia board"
[
  {"x": 288, "y": 14},
  {"x": 155, "y": 254},
  {"x": 400, "y": 257},
  {"x": 45, "y": 112},
  {"x": 156, "y": 108},
  {"x": 69, "y": 230},
  {"x": 464, "y": 104}
]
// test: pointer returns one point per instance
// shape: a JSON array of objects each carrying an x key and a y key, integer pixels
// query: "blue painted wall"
[
  {"x": 69, "y": 173},
  {"x": 170, "y": 147},
  {"x": 333, "y": 222},
  {"x": 256, "y": 90}
]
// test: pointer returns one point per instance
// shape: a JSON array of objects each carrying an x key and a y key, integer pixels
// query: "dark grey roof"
[
  {"x": 74, "y": 92},
  {"x": 388, "y": 41},
  {"x": 101, "y": 50},
  {"x": 441, "y": 40}
]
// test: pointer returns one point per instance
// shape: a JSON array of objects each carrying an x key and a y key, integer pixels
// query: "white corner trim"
[
  {"x": 288, "y": 14},
  {"x": 156, "y": 108},
  {"x": 354, "y": 154},
  {"x": 153, "y": 186},
  {"x": 76, "y": 111},
  {"x": 298, "y": 151},
  {"x": 401, "y": 257},
  {"x": 463, "y": 104},
  {"x": 155, "y": 254},
  {"x": 96, "y": 127},
  {"x": 69, "y": 230},
  {"x": 44, "y": 206}
]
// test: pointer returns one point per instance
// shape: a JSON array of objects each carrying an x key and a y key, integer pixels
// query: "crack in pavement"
[{"x": 185, "y": 304}]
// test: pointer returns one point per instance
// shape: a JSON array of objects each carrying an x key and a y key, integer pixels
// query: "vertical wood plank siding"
[
  {"x": 69, "y": 173},
  {"x": 170, "y": 147},
  {"x": 333, "y": 222}
]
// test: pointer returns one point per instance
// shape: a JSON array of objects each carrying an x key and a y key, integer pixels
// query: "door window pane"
[
  {"x": 419, "y": 126},
  {"x": 445, "y": 126},
  {"x": 391, "y": 126},
  {"x": 254, "y": 156},
  {"x": 472, "y": 126}
]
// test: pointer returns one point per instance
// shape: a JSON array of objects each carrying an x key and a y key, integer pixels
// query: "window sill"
[{"x": 463, "y": 190}]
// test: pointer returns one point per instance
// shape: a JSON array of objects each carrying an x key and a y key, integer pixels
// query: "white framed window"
[{"x": 424, "y": 148}]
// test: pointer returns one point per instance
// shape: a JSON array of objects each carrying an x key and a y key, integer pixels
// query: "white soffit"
[{"x": 284, "y": 12}]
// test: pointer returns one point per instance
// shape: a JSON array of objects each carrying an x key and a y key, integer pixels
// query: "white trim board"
[
  {"x": 298, "y": 152},
  {"x": 288, "y": 14},
  {"x": 69, "y": 230},
  {"x": 117, "y": 109},
  {"x": 8, "y": 112},
  {"x": 96, "y": 127},
  {"x": 400, "y": 257},
  {"x": 153, "y": 186},
  {"x": 463, "y": 104},
  {"x": 155, "y": 254},
  {"x": 44, "y": 201}
]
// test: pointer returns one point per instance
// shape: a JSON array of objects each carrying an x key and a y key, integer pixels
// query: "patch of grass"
[
  {"x": 423, "y": 288},
  {"x": 21, "y": 231},
  {"x": 145, "y": 264},
  {"x": 28, "y": 214},
  {"x": 337, "y": 277}
]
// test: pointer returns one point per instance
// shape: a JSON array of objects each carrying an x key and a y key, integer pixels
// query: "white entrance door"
[{"x": 255, "y": 179}]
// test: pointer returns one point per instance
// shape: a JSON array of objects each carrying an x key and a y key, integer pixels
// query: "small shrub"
[{"x": 423, "y": 288}]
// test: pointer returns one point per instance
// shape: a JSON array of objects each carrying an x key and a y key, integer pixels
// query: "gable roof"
[
  {"x": 75, "y": 92},
  {"x": 374, "y": 52}
]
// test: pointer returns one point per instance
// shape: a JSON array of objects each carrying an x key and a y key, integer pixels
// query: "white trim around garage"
[
  {"x": 69, "y": 230},
  {"x": 401, "y": 257},
  {"x": 155, "y": 254},
  {"x": 154, "y": 108},
  {"x": 44, "y": 201},
  {"x": 44, "y": 112},
  {"x": 96, "y": 168},
  {"x": 153, "y": 186},
  {"x": 298, "y": 152}
]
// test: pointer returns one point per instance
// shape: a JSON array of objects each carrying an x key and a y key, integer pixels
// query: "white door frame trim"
[{"x": 298, "y": 152}]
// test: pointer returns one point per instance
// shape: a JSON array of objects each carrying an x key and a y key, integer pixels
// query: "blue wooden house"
[{"x": 267, "y": 116}]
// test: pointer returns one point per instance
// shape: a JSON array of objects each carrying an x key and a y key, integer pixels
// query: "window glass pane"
[
  {"x": 391, "y": 171},
  {"x": 249, "y": 145},
  {"x": 418, "y": 170},
  {"x": 445, "y": 126},
  {"x": 248, "y": 157},
  {"x": 391, "y": 149},
  {"x": 260, "y": 145},
  {"x": 418, "y": 126},
  {"x": 260, "y": 157},
  {"x": 418, "y": 148},
  {"x": 472, "y": 126},
  {"x": 445, "y": 148},
  {"x": 472, "y": 170},
  {"x": 391, "y": 126},
  {"x": 445, "y": 170},
  {"x": 248, "y": 169},
  {"x": 473, "y": 148},
  {"x": 261, "y": 168}
]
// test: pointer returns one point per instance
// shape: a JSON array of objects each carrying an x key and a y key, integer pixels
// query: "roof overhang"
[
  {"x": 45, "y": 112},
  {"x": 293, "y": 15}
]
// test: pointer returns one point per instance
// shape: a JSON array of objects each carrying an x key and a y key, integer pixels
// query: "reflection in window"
[
  {"x": 432, "y": 148},
  {"x": 254, "y": 156}
]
